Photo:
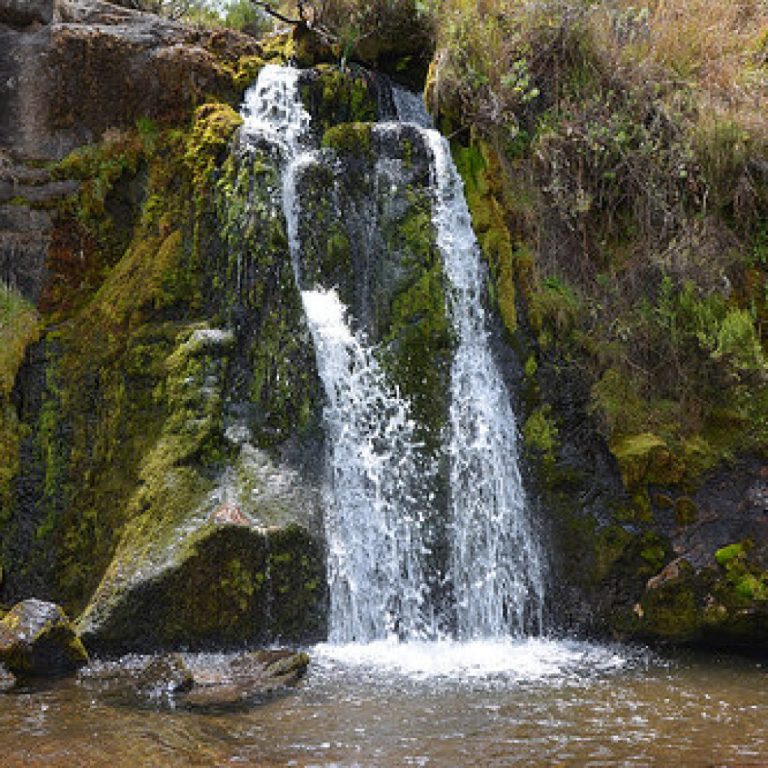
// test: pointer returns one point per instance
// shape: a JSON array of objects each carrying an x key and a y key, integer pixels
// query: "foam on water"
[{"x": 532, "y": 659}]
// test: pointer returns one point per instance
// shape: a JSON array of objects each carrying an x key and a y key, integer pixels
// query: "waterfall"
[
  {"x": 495, "y": 564},
  {"x": 373, "y": 523},
  {"x": 378, "y": 472}
]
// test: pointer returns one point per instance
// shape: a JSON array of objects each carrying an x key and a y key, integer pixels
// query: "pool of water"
[{"x": 532, "y": 703}]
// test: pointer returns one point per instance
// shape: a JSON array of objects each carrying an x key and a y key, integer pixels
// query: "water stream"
[
  {"x": 377, "y": 551},
  {"x": 566, "y": 704}
]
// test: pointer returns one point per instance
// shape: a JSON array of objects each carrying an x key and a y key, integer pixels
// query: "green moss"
[
  {"x": 726, "y": 555},
  {"x": 212, "y": 130},
  {"x": 352, "y": 139},
  {"x": 479, "y": 168},
  {"x": 19, "y": 327},
  {"x": 672, "y": 612},
  {"x": 540, "y": 433},
  {"x": 335, "y": 96},
  {"x": 416, "y": 328},
  {"x": 248, "y": 68},
  {"x": 646, "y": 458}
]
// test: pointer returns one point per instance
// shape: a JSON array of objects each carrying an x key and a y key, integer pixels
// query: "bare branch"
[{"x": 269, "y": 9}]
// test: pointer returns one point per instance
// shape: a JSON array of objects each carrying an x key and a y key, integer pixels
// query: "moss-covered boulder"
[
  {"x": 36, "y": 638},
  {"x": 245, "y": 565}
]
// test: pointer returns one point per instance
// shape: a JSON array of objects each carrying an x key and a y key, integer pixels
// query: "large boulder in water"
[{"x": 37, "y": 638}]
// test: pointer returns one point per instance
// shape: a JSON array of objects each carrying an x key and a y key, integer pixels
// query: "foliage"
[
  {"x": 19, "y": 327},
  {"x": 365, "y": 31},
  {"x": 642, "y": 133}
]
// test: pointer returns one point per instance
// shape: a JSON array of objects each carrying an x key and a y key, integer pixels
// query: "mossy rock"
[
  {"x": 226, "y": 584},
  {"x": 646, "y": 459},
  {"x": 36, "y": 638},
  {"x": 335, "y": 96}
]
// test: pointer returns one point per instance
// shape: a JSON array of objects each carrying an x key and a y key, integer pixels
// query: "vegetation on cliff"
[{"x": 616, "y": 161}]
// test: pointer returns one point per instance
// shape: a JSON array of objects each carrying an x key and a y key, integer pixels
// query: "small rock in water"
[
  {"x": 37, "y": 638},
  {"x": 139, "y": 677},
  {"x": 165, "y": 675},
  {"x": 201, "y": 680},
  {"x": 243, "y": 678},
  {"x": 7, "y": 679}
]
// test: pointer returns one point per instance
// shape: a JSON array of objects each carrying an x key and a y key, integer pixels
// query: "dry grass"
[{"x": 717, "y": 48}]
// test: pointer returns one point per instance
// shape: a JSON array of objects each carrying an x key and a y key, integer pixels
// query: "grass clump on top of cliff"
[
  {"x": 632, "y": 148},
  {"x": 19, "y": 327}
]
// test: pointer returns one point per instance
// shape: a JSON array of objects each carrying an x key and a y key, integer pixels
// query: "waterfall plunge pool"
[{"x": 527, "y": 703}]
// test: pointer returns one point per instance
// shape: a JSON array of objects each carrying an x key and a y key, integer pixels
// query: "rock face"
[
  {"x": 70, "y": 73},
  {"x": 36, "y": 638},
  {"x": 180, "y": 516}
]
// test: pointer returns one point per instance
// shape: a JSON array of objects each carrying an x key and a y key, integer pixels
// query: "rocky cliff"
[{"x": 160, "y": 435}]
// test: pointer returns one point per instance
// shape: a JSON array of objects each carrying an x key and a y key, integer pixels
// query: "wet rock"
[
  {"x": 165, "y": 675},
  {"x": 210, "y": 681},
  {"x": 37, "y": 638},
  {"x": 7, "y": 679},
  {"x": 22, "y": 13},
  {"x": 64, "y": 84},
  {"x": 232, "y": 681},
  {"x": 139, "y": 678}
]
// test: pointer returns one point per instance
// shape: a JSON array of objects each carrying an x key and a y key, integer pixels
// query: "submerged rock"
[
  {"x": 196, "y": 680},
  {"x": 139, "y": 678},
  {"x": 245, "y": 678},
  {"x": 37, "y": 638}
]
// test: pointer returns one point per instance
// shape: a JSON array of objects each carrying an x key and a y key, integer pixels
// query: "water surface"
[{"x": 533, "y": 703}]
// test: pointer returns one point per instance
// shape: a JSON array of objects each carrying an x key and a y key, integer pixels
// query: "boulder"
[
  {"x": 97, "y": 66},
  {"x": 37, "y": 638}
]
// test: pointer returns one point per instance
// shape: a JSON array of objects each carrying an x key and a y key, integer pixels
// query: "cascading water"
[
  {"x": 496, "y": 568},
  {"x": 373, "y": 522},
  {"x": 379, "y": 475},
  {"x": 495, "y": 564}
]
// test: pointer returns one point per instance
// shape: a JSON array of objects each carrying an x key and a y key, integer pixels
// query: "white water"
[
  {"x": 495, "y": 568},
  {"x": 374, "y": 519},
  {"x": 374, "y": 528},
  {"x": 532, "y": 659},
  {"x": 377, "y": 473}
]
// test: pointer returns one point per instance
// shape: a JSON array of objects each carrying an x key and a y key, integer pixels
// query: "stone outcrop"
[
  {"x": 72, "y": 70},
  {"x": 36, "y": 638}
]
